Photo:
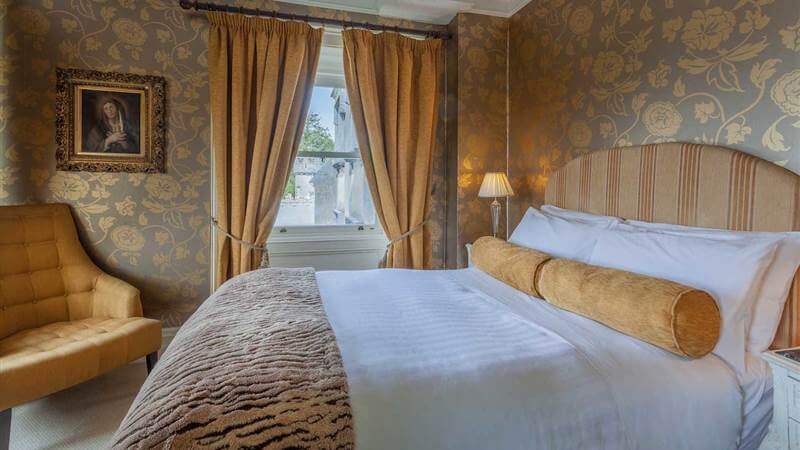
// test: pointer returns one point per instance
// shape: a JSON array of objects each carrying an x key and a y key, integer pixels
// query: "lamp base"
[{"x": 495, "y": 216}]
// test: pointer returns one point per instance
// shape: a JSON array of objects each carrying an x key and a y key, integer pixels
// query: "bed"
[{"x": 457, "y": 359}]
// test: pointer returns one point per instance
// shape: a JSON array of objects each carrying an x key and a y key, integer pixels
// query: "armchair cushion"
[{"x": 40, "y": 361}]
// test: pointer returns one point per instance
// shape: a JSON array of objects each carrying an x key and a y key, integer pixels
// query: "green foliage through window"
[
  {"x": 316, "y": 138},
  {"x": 291, "y": 188}
]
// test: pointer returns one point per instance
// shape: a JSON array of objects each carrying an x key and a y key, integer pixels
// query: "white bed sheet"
[
  {"x": 457, "y": 359},
  {"x": 756, "y": 385}
]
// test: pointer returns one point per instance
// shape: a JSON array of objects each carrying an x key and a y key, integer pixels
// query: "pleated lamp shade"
[{"x": 495, "y": 184}]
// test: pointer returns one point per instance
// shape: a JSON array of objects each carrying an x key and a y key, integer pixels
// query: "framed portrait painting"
[{"x": 110, "y": 122}]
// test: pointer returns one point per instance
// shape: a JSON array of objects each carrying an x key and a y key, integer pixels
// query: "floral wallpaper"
[
  {"x": 584, "y": 74},
  {"x": 436, "y": 229},
  {"x": 151, "y": 230},
  {"x": 476, "y": 125},
  {"x": 590, "y": 74}
]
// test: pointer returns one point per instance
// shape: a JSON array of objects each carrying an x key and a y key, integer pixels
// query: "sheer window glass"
[{"x": 327, "y": 185}]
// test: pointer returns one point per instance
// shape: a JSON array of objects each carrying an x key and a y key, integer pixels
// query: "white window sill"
[
  {"x": 333, "y": 247},
  {"x": 326, "y": 233}
]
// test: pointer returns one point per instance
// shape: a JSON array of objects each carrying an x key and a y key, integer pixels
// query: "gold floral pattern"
[
  {"x": 477, "y": 124},
  {"x": 707, "y": 29},
  {"x": 722, "y": 72},
  {"x": 7, "y": 177},
  {"x": 580, "y": 21},
  {"x": 151, "y": 230},
  {"x": 608, "y": 66},
  {"x": 130, "y": 32},
  {"x": 162, "y": 187},
  {"x": 790, "y": 36},
  {"x": 659, "y": 76},
  {"x": 662, "y": 119},
  {"x": 127, "y": 238},
  {"x": 786, "y": 93},
  {"x": 579, "y": 134},
  {"x": 68, "y": 186}
]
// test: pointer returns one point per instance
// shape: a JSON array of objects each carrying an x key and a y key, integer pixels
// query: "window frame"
[
  {"x": 343, "y": 155},
  {"x": 333, "y": 77}
]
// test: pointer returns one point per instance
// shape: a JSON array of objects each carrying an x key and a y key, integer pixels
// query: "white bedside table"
[{"x": 786, "y": 398}]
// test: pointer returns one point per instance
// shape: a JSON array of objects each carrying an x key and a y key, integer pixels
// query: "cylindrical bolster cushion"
[
  {"x": 677, "y": 318},
  {"x": 509, "y": 263}
]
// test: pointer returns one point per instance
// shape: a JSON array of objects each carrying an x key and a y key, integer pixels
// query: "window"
[{"x": 327, "y": 185}]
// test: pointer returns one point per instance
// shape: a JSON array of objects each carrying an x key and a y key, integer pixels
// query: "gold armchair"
[{"x": 62, "y": 320}]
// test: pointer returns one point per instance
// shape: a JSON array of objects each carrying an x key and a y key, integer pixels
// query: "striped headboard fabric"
[{"x": 687, "y": 184}]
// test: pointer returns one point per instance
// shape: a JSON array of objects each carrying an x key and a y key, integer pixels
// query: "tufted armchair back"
[{"x": 45, "y": 275}]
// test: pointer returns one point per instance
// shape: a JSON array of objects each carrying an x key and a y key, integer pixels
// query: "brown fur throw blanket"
[{"x": 257, "y": 366}]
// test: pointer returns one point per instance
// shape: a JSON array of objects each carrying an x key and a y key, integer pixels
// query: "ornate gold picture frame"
[{"x": 110, "y": 122}]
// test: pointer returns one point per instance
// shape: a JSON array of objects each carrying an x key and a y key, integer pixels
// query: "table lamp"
[{"x": 495, "y": 184}]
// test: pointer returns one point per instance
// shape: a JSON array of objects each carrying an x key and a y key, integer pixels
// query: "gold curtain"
[
  {"x": 392, "y": 84},
  {"x": 261, "y": 74}
]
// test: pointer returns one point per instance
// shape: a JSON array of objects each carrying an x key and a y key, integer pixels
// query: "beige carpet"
[
  {"x": 82, "y": 417},
  {"x": 86, "y": 416}
]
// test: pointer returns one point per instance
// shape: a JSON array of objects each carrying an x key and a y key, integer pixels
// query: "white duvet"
[{"x": 459, "y": 360}]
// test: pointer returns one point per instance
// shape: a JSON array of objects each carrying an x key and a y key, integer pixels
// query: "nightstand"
[{"x": 786, "y": 397}]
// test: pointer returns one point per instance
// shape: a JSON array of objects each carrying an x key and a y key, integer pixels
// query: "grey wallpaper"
[
  {"x": 150, "y": 230},
  {"x": 584, "y": 74},
  {"x": 588, "y": 74}
]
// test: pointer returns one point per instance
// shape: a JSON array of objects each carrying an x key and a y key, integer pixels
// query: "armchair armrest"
[{"x": 115, "y": 298}]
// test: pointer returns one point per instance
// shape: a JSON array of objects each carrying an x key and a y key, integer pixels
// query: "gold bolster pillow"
[
  {"x": 509, "y": 263},
  {"x": 677, "y": 318}
]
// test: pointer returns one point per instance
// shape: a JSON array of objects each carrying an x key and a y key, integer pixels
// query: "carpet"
[{"x": 81, "y": 417}]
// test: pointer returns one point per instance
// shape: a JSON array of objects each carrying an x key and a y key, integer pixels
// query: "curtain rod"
[{"x": 208, "y": 6}]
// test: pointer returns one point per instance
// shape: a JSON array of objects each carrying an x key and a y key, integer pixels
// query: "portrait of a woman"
[{"x": 111, "y": 123}]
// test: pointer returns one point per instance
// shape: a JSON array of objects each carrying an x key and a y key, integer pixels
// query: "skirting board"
[{"x": 167, "y": 334}]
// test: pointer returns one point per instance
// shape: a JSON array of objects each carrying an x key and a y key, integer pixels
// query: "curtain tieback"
[
  {"x": 242, "y": 242},
  {"x": 408, "y": 233}
]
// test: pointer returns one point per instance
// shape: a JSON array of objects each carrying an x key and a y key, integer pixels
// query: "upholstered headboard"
[{"x": 687, "y": 184}]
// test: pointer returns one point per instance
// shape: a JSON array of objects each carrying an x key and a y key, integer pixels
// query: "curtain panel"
[
  {"x": 392, "y": 82},
  {"x": 261, "y": 74}
]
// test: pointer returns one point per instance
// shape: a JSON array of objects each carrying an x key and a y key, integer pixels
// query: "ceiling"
[{"x": 431, "y": 11}]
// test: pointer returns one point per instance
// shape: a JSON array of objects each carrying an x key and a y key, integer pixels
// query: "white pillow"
[
  {"x": 578, "y": 216},
  {"x": 771, "y": 297},
  {"x": 728, "y": 270},
  {"x": 555, "y": 236}
]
